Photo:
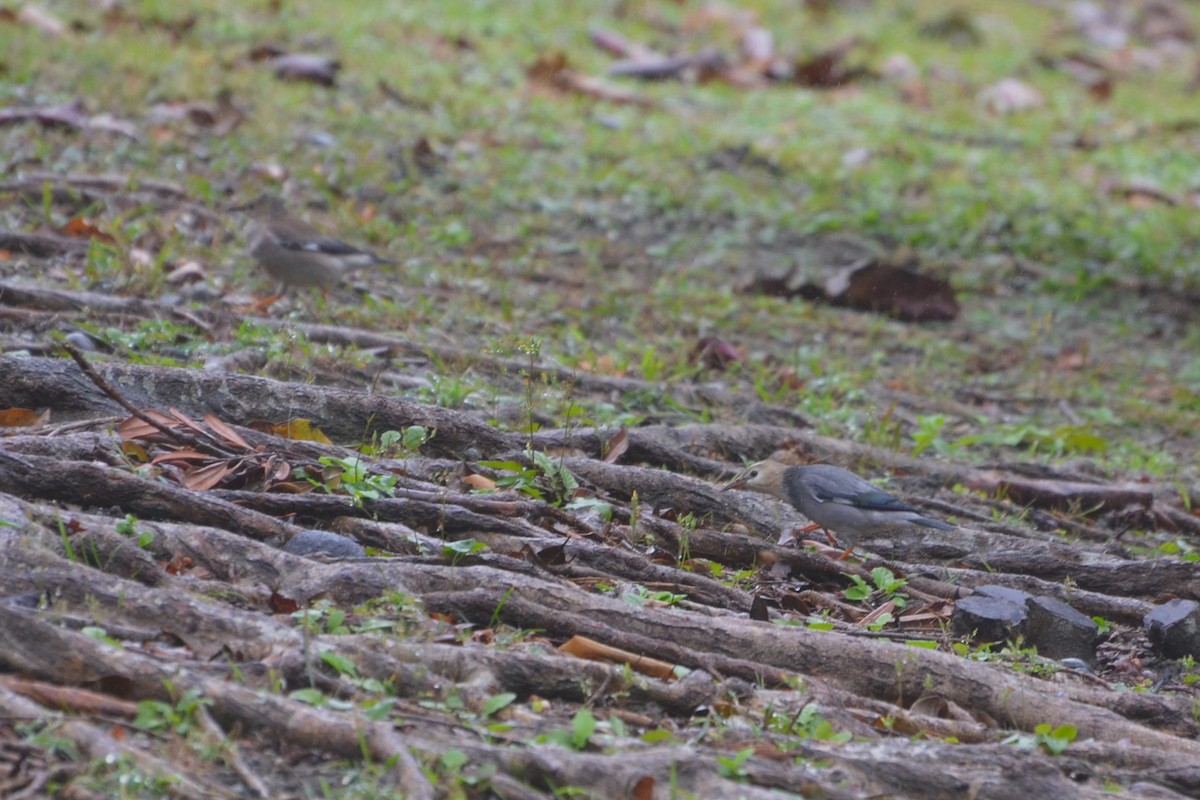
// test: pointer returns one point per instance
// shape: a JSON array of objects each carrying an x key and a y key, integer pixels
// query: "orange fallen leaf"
[
  {"x": 225, "y": 432},
  {"x": 80, "y": 228},
  {"x": 205, "y": 478},
  {"x": 479, "y": 482},
  {"x": 301, "y": 430},
  {"x": 583, "y": 647},
  {"x": 185, "y": 456},
  {"x": 21, "y": 418},
  {"x": 617, "y": 446}
]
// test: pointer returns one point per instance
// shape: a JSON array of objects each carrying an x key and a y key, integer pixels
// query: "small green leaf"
[
  {"x": 463, "y": 547},
  {"x": 343, "y": 665},
  {"x": 507, "y": 466},
  {"x": 454, "y": 760},
  {"x": 927, "y": 644},
  {"x": 313, "y": 697},
  {"x": 583, "y": 725},
  {"x": 498, "y": 702},
  {"x": 379, "y": 710},
  {"x": 369, "y": 625}
]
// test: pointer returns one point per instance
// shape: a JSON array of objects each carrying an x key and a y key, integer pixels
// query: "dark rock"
[
  {"x": 81, "y": 341},
  {"x": 1077, "y": 664},
  {"x": 1059, "y": 631},
  {"x": 1174, "y": 628},
  {"x": 323, "y": 543},
  {"x": 1014, "y": 596},
  {"x": 987, "y": 619}
]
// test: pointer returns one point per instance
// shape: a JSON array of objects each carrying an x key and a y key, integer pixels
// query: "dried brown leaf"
[
  {"x": 183, "y": 456},
  {"x": 80, "y": 228},
  {"x": 42, "y": 20},
  {"x": 616, "y": 446},
  {"x": 715, "y": 353},
  {"x": 299, "y": 429},
  {"x": 552, "y": 71},
  {"x": 898, "y": 291},
  {"x": 1009, "y": 95},
  {"x": 643, "y": 788},
  {"x": 187, "y": 421},
  {"x": 590, "y": 649},
  {"x": 758, "y": 609},
  {"x": 207, "y": 477},
  {"x": 21, "y": 418},
  {"x": 282, "y": 605},
  {"x": 311, "y": 67},
  {"x": 225, "y": 431},
  {"x": 875, "y": 614},
  {"x": 479, "y": 482},
  {"x": 829, "y": 69},
  {"x": 136, "y": 428},
  {"x": 620, "y": 46}
]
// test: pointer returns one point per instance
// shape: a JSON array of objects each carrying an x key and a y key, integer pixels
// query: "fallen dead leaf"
[
  {"x": 41, "y": 20},
  {"x": 21, "y": 417},
  {"x": 479, "y": 482},
  {"x": 617, "y": 446},
  {"x": 897, "y": 291},
  {"x": 1009, "y": 96},
  {"x": 758, "y": 47},
  {"x": 583, "y": 647},
  {"x": 829, "y": 69},
  {"x": 187, "y": 272},
  {"x": 207, "y": 477},
  {"x": 715, "y": 353},
  {"x": 956, "y": 27},
  {"x": 226, "y": 432},
  {"x": 620, "y": 46},
  {"x": 1143, "y": 194},
  {"x": 81, "y": 228},
  {"x": 184, "y": 455},
  {"x": 311, "y": 67},
  {"x": 299, "y": 429},
  {"x": 899, "y": 68},
  {"x": 1071, "y": 360},
  {"x": 551, "y": 71},
  {"x": 69, "y": 115}
]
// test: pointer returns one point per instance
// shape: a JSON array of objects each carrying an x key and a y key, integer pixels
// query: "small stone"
[
  {"x": 81, "y": 341},
  {"x": 1174, "y": 628},
  {"x": 1014, "y": 596},
  {"x": 1059, "y": 631},
  {"x": 987, "y": 619},
  {"x": 323, "y": 543}
]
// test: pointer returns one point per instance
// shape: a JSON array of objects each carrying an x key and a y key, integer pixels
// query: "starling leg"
[
  {"x": 813, "y": 526},
  {"x": 262, "y": 304}
]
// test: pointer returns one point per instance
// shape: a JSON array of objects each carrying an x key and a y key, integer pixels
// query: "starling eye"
[{"x": 753, "y": 473}]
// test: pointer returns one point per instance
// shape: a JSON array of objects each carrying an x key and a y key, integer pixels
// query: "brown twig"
[{"x": 178, "y": 437}]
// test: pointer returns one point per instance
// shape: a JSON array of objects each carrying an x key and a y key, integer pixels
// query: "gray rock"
[
  {"x": 323, "y": 543},
  {"x": 987, "y": 619},
  {"x": 1174, "y": 628},
  {"x": 1014, "y": 596},
  {"x": 81, "y": 341},
  {"x": 1059, "y": 631}
]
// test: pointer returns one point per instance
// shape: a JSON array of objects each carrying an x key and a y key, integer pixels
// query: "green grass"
[{"x": 615, "y": 233}]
